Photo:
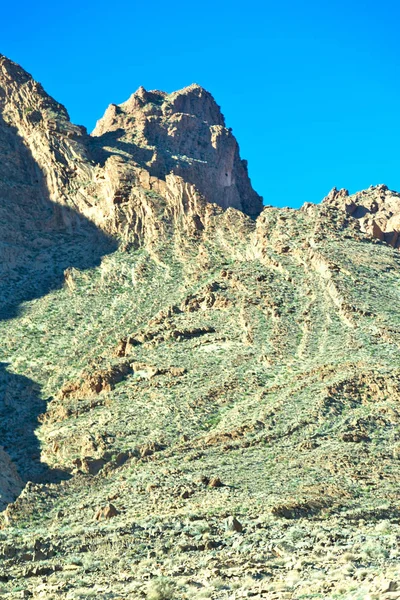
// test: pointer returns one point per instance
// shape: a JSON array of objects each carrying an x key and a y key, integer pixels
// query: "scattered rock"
[
  {"x": 89, "y": 465},
  {"x": 232, "y": 524},
  {"x": 186, "y": 494},
  {"x": 150, "y": 448},
  {"x": 215, "y": 482},
  {"x": 107, "y": 512},
  {"x": 204, "y": 479},
  {"x": 94, "y": 382},
  {"x": 388, "y": 585}
]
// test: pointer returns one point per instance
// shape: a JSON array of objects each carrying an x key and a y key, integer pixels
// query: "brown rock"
[
  {"x": 215, "y": 482},
  {"x": 377, "y": 210},
  {"x": 150, "y": 448},
  {"x": 107, "y": 512},
  {"x": 336, "y": 195},
  {"x": 204, "y": 479},
  {"x": 89, "y": 465},
  {"x": 96, "y": 381},
  {"x": 186, "y": 494},
  {"x": 388, "y": 585}
]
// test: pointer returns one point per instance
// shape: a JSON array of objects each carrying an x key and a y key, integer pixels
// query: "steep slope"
[
  {"x": 220, "y": 394},
  {"x": 44, "y": 129},
  {"x": 42, "y": 155},
  {"x": 258, "y": 380},
  {"x": 40, "y": 237}
]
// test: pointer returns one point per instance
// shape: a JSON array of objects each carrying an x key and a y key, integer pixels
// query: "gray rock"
[{"x": 232, "y": 524}]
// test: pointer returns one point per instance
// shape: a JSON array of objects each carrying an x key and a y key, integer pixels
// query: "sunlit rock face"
[
  {"x": 377, "y": 209},
  {"x": 182, "y": 133},
  {"x": 151, "y": 161}
]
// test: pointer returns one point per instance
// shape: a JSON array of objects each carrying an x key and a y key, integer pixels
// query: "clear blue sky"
[{"x": 310, "y": 88}]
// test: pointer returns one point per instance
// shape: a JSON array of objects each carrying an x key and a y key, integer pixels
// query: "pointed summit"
[
  {"x": 12, "y": 72},
  {"x": 41, "y": 149},
  {"x": 197, "y": 101}
]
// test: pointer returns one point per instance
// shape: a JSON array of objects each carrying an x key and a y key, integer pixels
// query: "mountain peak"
[
  {"x": 176, "y": 144},
  {"x": 182, "y": 133},
  {"x": 12, "y": 71}
]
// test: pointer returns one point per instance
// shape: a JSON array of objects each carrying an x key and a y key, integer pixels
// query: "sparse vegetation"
[{"x": 209, "y": 410}]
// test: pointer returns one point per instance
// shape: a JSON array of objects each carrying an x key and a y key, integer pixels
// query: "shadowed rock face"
[
  {"x": 57, "y": 147},
  {"x": 20, "y": 455},
  {"x": 41, "y": 235}
]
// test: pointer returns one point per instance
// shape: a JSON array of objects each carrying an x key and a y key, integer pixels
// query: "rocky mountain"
[
  {"x": 198, "y": 395},
  {"x": 182, "y": 133},
  {"x": 151, "y": 146}
]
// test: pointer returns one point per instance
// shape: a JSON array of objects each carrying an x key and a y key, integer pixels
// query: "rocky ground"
[{"x": 194, "y": 403}]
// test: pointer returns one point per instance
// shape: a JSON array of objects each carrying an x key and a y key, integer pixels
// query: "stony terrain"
[{"x": 196, "y": 401}]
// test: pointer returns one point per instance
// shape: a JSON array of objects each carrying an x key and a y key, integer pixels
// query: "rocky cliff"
[
  {"x": 377, "y": 210},
  {"x": 183, "y": 133},
  {"x": 151, "y": 147},
  {"x": 40, "y": 133}
]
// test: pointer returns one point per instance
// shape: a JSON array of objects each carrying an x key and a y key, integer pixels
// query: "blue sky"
[{"x": 311, "y": 89}]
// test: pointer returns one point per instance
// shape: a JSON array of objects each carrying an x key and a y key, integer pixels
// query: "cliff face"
[
  {"x": 40, "y": 134},
  {"x": 149, "y": 147},
  {"x": 44, "y": 169},
  {"x": 182, "y": 133}
]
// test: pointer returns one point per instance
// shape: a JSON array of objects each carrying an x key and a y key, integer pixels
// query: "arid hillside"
[{"x": 199, "y": 395}]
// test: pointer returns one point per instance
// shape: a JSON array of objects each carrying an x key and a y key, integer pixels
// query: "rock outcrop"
[
  {"x": 148, "y": 159},
  {"x": 45, "y": 169},
  {"x": 42, "y": 146},
  {"x": 182, "y": 133},
  {"x": 377, "y": 209}
]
